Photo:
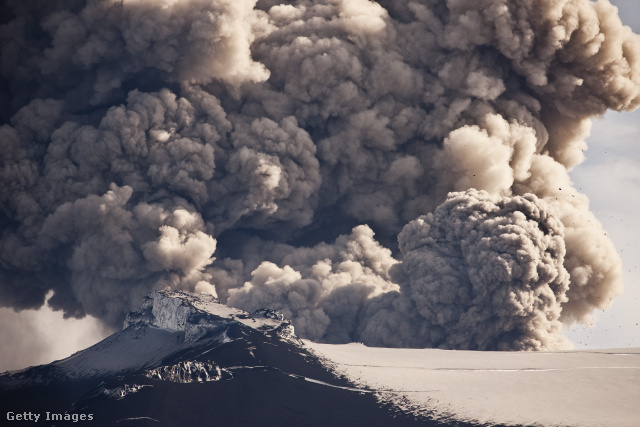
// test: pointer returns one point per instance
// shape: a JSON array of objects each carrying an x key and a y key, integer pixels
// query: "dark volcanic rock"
[{"x": 186, "y": 360}]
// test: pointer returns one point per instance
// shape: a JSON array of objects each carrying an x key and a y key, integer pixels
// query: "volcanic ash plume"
[
  {"x": 251, "y": 149},
  {"x": 491, "y": 264}
]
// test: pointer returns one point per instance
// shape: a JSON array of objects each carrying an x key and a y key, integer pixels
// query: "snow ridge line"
[
  {"x": 323, "y": 383},
  {"x": 302, "y": 377},
  {"x": 577, "y": 368},
  {"x": 138, "y": 418}
]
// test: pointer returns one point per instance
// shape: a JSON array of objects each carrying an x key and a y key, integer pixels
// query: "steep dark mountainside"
[{"x": 184, "y": 360}]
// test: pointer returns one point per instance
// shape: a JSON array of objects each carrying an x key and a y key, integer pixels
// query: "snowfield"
[{"x": 573, "y": 388}]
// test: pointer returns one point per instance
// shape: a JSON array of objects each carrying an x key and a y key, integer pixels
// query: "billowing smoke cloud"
[
  {"x": 323, "y": 288},
  {"x": 494, "y": 264},
  {"x": 251, "y": 149}
]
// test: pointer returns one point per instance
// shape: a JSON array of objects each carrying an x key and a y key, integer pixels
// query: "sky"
[
  {"x": 610, "y": 177},
  {"x": 320, "y": 156},
  {"x": 50, "y": 336}
]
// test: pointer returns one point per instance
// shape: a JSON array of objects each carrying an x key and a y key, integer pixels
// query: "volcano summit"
[{"x": 186, "y": 359}]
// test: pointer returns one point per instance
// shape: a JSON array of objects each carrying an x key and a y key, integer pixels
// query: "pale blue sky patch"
[{"x": 610, "y": 176}]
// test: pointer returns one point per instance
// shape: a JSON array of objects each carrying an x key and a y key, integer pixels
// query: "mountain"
[{"x": 187, "y": 360}]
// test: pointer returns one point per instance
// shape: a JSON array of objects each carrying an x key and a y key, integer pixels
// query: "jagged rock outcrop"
[
  {"x": 186, "y": 372},
  {"x": 199, "y": 315}
]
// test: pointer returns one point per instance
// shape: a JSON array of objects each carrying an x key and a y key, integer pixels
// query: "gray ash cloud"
[{"x": 253, "y": 148}]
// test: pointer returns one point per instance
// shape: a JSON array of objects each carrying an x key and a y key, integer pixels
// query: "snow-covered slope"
[
  {"x": 203, "y": 360},
  {"x": 579, "y": 388},
  {"x": 167, "y": 323},
  {"x": 185, "y": 359}
]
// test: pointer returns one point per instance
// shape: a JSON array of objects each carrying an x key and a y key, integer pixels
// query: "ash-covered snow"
[
  {"x": 574, "y": 388},
  {"x": 128, "y": 350}
]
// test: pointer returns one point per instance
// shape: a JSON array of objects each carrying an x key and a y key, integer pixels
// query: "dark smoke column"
[
  {"x": 251, "y": 149},
  {"x": 487, "y": 273}
]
